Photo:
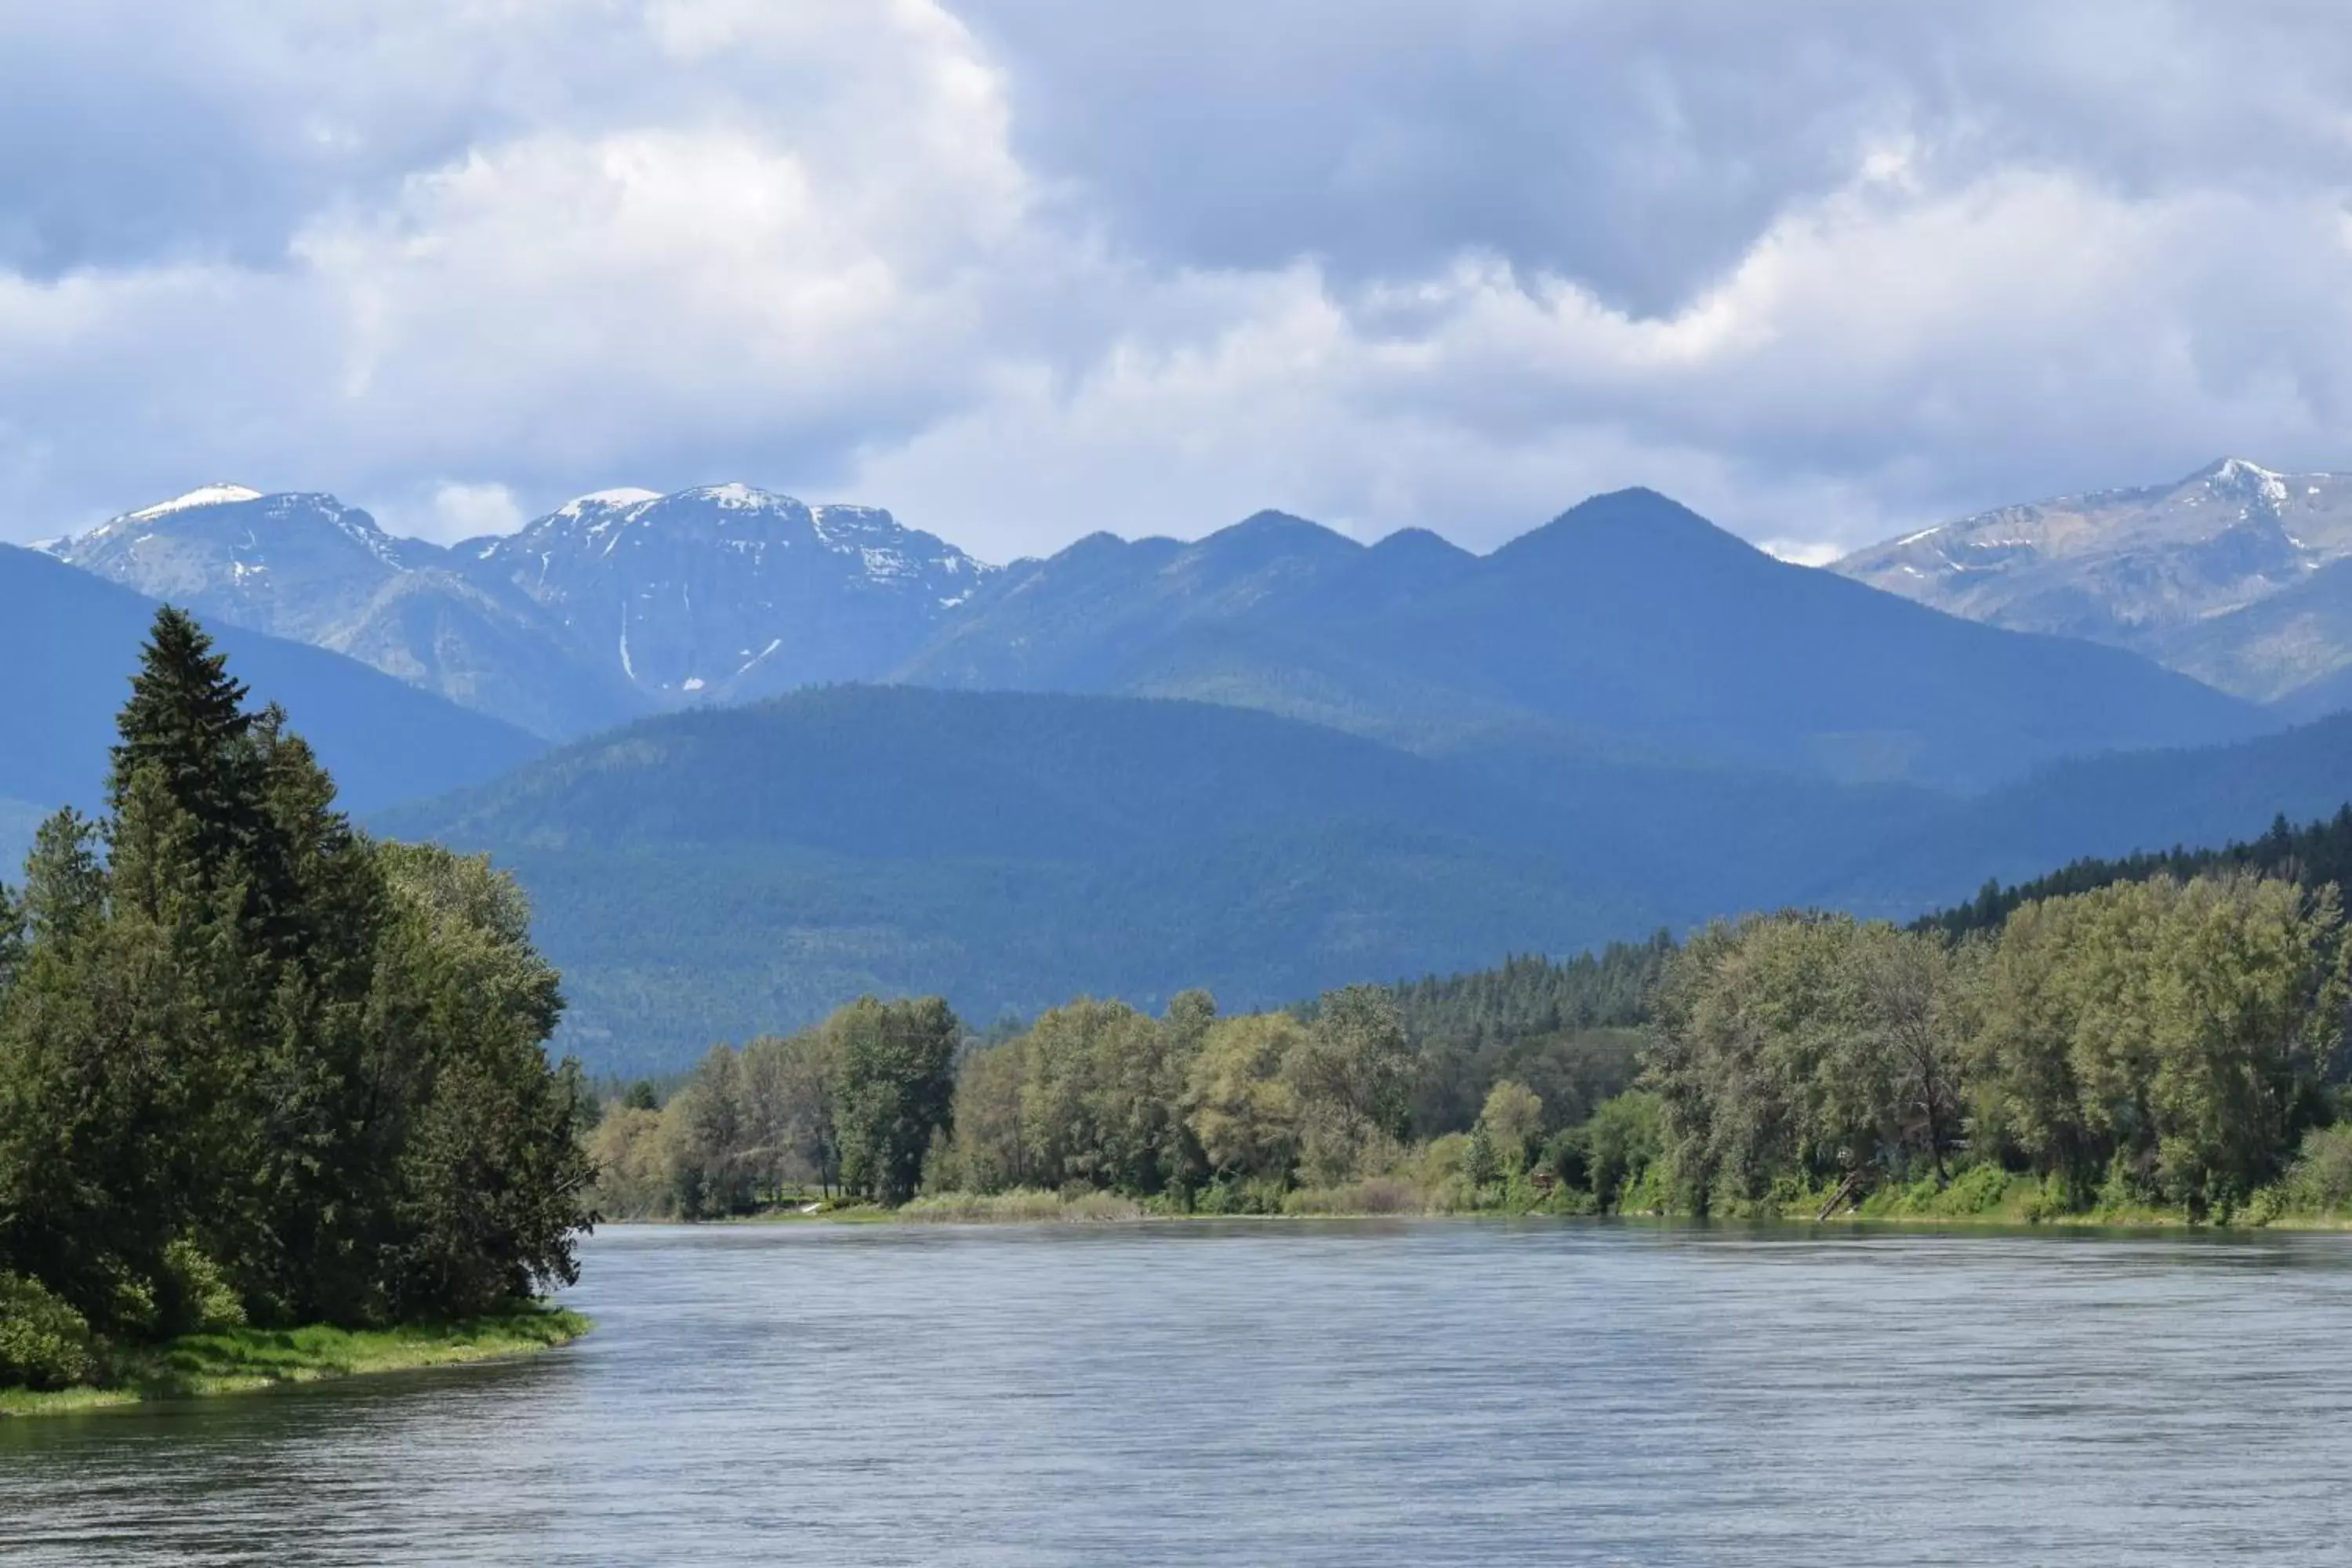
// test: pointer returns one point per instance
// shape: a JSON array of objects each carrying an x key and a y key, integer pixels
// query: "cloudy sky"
[{"x": 1020, "y": 269}]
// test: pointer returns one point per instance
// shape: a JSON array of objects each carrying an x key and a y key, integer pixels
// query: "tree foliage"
[{"x": 2158, "y": 1042}]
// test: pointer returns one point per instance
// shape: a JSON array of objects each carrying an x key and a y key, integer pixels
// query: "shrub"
[
  {"x": 204, "y": 1301},
  {"x": 1262, "y": 1194},
  {"x": 1372, "y": 1194},
  {"x": 44, "y": 1343},
  {"x": 2321, "y": 1178}
]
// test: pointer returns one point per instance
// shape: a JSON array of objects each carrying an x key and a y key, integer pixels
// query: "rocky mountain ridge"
[
  {"x": 2224, "y": 574},
  {"x": 618, "y": 604}
]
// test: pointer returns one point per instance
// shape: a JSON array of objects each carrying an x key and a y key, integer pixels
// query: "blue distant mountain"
[{"x": 1629, "y": 623}]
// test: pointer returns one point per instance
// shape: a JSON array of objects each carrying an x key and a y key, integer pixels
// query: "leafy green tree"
[
  {"x": 988, "y": 1152},
  {"x": 493, "y": 1178},
  {"x": 790, "y": 1090},
  {"x": 1624, "y": 1138},
  {"x": 1514, "y": 1117},
  {"x": 1352, "y": 1074},
  {"x": 897, "y": 1087},
  {"x": 1482, "y": 1161},
  {"x": 1240, "y": 1104},
  {"x": 1101, "y": 1099},
  {"x": 12, "y": 936},
  {"x": 708, "y": 1141}
]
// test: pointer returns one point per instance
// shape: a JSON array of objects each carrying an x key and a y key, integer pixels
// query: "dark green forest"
[
  {"x": 2312, "y": 856},
  {"x": 257, "y": 1069}
]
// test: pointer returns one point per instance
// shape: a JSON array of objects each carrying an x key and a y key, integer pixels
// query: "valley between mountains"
[{"x": 753, "y": 757}]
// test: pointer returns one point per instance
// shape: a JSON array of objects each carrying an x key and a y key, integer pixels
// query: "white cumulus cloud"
[{"x": 1024, "y": 268}]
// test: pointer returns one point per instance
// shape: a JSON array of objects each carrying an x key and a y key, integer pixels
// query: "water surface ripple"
[{"x": 1349, "y": 1393}]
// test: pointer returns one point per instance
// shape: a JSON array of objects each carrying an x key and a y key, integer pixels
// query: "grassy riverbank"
[
  {"x": 1981, "y": 1195},
  {"x": 239, "y": 1360}
]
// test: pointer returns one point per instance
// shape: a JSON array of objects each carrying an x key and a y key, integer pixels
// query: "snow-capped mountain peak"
[
  {"x": 2238, "y": 479},
  {"x": 2166, "y": 570},
  {"x": 668, "y": 592},
  {"x": 203, "y": 495},
  {"x": 606, "y": 500}
]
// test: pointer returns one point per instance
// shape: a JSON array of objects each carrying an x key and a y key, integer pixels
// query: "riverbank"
[
  {"x": 240, "y": 1360},
  {"x": 1980, "y": 1196}
]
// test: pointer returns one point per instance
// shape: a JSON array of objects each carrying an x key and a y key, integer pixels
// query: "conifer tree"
[{"x": 186, "y": 719}]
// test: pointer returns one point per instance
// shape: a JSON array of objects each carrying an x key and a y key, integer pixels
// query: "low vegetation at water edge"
[{"x": 239, "y": 1361}]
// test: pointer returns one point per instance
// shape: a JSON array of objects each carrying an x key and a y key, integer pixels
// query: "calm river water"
[{"x": 1351, "y": 1393}]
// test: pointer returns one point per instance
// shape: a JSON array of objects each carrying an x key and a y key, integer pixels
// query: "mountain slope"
[
  {"x": 308, "y": 568},
  {"x": 2293, "y": 648},
  {"x": 1629, "y": 623},
  {"x": 2177, "y": 572},
  {"x": 70, "y": 641}
]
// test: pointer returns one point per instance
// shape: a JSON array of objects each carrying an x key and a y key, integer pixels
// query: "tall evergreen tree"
[{"x": 186, "y": 719}]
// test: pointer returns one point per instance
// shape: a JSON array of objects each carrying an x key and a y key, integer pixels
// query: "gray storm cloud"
[{"x": 1021, "y": 270}]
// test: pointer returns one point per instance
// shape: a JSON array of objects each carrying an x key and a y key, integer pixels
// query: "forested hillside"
[
  {"x": 2104, "y": 807},
  {"x": 706, "y": 876},
  {"x": 2313, "y": 857}
]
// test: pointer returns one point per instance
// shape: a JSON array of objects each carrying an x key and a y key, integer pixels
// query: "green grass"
[{"x": 239, "y": 1361}]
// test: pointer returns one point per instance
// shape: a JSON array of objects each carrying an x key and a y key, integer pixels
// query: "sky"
[{"x": 1023, "y": 269}]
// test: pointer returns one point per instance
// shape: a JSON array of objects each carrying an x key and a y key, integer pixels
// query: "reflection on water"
[{"x": 1328, "y": 1393}]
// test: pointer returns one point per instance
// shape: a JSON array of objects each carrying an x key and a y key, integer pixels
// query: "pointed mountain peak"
[
  {"x": 1420, "y": 543},
  {"x": 1276, "y": 531},
  {"x": 203, "y": 495},
  {"x": 2246, "y": 483},
  {"x": 2232, "y": 470},
  {"x": 1638, "y": 521}
]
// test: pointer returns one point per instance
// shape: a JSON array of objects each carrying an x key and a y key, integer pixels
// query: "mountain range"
[
  {"x": 1627, "y": 626},
  {"x": 616, "y": 605}
]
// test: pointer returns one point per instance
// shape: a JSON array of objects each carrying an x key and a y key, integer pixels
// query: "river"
[{"x": 1342, "y": 1393}]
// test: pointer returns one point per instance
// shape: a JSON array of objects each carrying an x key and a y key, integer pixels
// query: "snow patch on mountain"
[
  {"x": 203, "y": 495},
  {"x": 606, "y": 500}
]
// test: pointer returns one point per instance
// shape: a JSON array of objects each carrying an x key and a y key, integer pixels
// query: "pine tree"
[
  {"x": 186, "y": 720},
  {"x": 64, "y": 886}
]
